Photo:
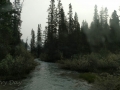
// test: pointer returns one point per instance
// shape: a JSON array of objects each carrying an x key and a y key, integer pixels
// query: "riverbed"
[{"x": 47, "y": 76}]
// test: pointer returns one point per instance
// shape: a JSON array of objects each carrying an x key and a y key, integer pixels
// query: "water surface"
[{"x": 47, "y": 76}]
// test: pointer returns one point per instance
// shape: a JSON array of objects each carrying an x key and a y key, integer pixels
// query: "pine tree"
[
  {"x": 26, "y": 44},
  {"x": 114, "y": 25},
  {"x": 52, "y": 37},
  {"x": 45, "y": 36},
  {"x": 84, "y": 27},
  {"x": 106, "y": 15},
  {"x": 114, "y": 32},
  {"x": 17, "y": 22},
  {"x": 75, "y": 37},
  {"x": 70, "y": 19},
  {"x": 106, "y": 28},
  {"x": 84, "y": 44},
  {"x": 59, "y": 13},
  {"x": 63, "y": 34},
  {"x": 39, "y": 41},
  {"x": 10, "y": 23},
  {"x": 95, "y": 18},
  {"x": 103, "y": 19},
  {"x": 102, "y": 22},
  {"x": 5, "y": 27},
  {"x": 51, "y": 22},
  {"x": 76, "y": 24},
  {"x": 32, "y": 45},
  {"x": 95, "y": 34}
]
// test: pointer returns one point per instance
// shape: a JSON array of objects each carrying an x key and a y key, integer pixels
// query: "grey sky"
[{"x": 35, "y": 12}]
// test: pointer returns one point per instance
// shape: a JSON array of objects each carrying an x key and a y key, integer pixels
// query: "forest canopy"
[{"x": 65, "y": 37}]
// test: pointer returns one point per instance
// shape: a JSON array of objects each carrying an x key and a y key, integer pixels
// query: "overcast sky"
[{"x": 35, "y": 12}]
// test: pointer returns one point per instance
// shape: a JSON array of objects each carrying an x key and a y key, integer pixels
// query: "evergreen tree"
[
  {"x": 84, "y": 44},
  {"x": 106, "y": 29},
  {"x": 102, "y": 18},
  {"x": 26, "y": 44},
  {"x": 17, "y": 22},
  {"x": 114, "y": 25},
  {"x": 114, "y": 32},
  {"x": 75, "y": 37},
  {"x": 96, "y": 17},
  {"x": 51, "y": 21},
  {"x": 10, "y": 22},
  {"x": 70, "y": 19},
  {"x": 32, "y": 45},
  {"x": 106, "y": 15},
  {"x": 103, "y": 25},
  {"x": 95, "y": 34},
  {"x": 52, "y": 37},
  {"x": 59, "y": 14},
  {"x": 63, "y": 34},
  {"x": 5, "y": 27},
  {"x": 45, "y": 36},
  {"x": 39, "y": 41}
]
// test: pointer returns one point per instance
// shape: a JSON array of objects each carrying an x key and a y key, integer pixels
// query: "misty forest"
[{"x": 87, "y": 54}]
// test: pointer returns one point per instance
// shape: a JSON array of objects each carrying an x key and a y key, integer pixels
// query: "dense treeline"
[
  {"x": 64, "y": 37},
  {"x": 13, "y": 55},
  {"x": 36, "y": 46},
  {"x": 91, "y": 50},
  {"x": 9, "y": 28}
]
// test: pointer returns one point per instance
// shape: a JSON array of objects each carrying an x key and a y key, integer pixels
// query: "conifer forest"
[{"x": 90, "y": 49}]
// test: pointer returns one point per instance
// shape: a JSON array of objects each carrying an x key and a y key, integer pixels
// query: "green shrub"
[
  {"x": 74, "y": 65},
  {"x": 104, "y": 52},
  {"x": 6, "y": 65},
  {"x": 93, "y": 62},
  {"x": 109, "y": 63},
  {"x": 17, "y": 66},
  {"x": 90, "y": 77},
  {"x": 107, "y": 82}
]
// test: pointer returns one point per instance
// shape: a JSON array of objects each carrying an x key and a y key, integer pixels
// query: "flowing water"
[{"x": 46, "y": 76}]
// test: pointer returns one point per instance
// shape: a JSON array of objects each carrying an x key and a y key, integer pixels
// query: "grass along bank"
[
  {"x": 102, "y": 69},
  {"x": 93, "y": 62}
]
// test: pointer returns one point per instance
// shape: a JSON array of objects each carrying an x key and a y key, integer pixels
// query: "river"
[{"x": 46, "y": 76}]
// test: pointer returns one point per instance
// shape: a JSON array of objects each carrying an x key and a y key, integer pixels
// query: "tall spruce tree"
[
  {"x": 51, "y": 21},
  {"x": 45, "y": 36},
  {"x": 70, "y": 19},
  {"x": 84, "y": 44},
  {"x": 114, "y": 25},
  {"x": 52, "y": 40},
  {"x": 39, "y": 41},
  {"x": 114, "y": 32},
  {"x": 59, "y": 7},
  {"x": 32, "y": 44},
  {"x": 17, "y": 21},
  {"x": 26, "y": 44},
  {"x": 96, "y": 17},
  {"x": 16, "y": 24},
  {"x": 95, "y": 34},
  {"x": 10, "y": 23},
  {"x": 75, "y": 37},
  {"x": 63, "y": 34},
  {"x": 5, "y": 27}
]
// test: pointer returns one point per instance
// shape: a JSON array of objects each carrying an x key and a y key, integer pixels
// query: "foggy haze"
[{"x": 34, "y": 12}]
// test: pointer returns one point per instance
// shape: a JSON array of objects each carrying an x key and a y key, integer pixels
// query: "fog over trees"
[
  {"x": 64, "y": 36},
  {"x": 93, "y": 50}
]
